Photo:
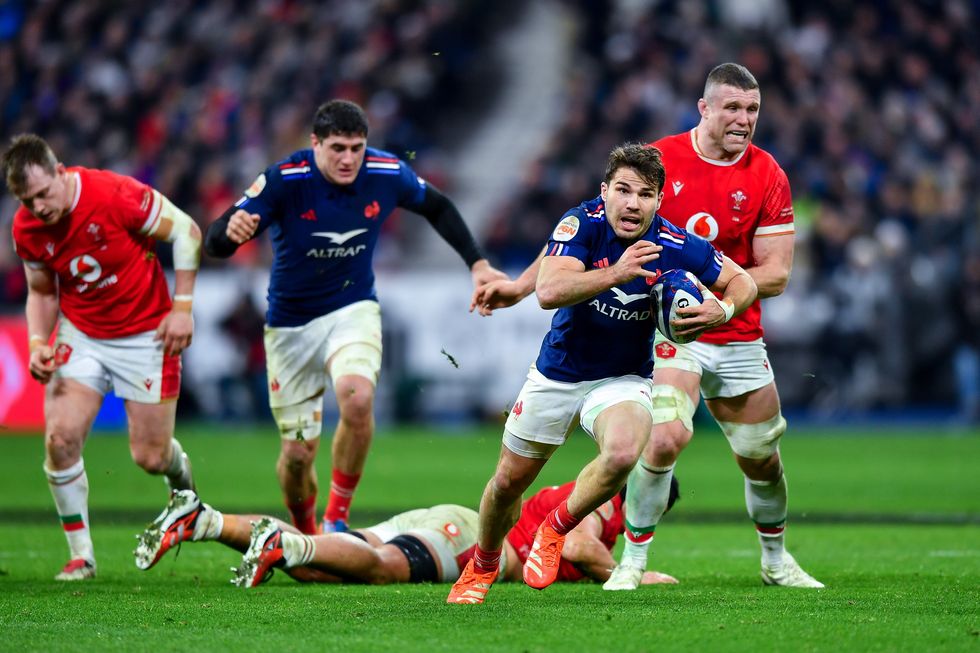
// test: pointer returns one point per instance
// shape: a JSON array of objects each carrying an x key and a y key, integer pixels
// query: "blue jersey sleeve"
[
  {"x": 572, "y": 237},
  {"x": 264, "y": 197},
  {"x": 411, "y": 187},
  {"x": 700, "y": 257}
]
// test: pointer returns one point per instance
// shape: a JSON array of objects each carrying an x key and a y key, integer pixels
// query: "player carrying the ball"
[{"x": 595, "y": 363}]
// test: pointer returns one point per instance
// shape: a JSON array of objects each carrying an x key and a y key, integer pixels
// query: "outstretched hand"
[
  {"x": 500, "y": 293},
  {"x": 42, "y": 364}
]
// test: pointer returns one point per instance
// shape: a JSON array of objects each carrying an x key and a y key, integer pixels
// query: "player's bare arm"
[
  {"x": 585, "y": 550},
  {"x": 738, "y": 292},
  {"x": 563, "y": 280},
  {"x": 773, "y": 262},
  {"x": 174, "y": 226},
  {"x": 42, "y": 314},
  {"x": 484, "y": 273},
  {"x": 502, "y": 293}
]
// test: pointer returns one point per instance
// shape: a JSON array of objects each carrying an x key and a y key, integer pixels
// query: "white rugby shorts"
[
  {"x": 547, "y": 411},
  {"x": 296, "y": 357},
  {"x": 134, "y": 367},
  {"x": 449, "y": 528},
  {"x": 726, "y": 370}
]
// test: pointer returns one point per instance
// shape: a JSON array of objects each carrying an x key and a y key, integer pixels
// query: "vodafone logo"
[
  {"x": 703, "y": 224},
  {"x": 85, "y": 268}
]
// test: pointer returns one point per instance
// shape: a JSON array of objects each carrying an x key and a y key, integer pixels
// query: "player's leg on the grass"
[
  {"x": 753, "y": 424},
  {"x": 353, "y": 366},
  {"x": 674, "y": 398},
  {"x": 152, "y": 445},
  {"x": 617, "y": 414},
  {"x": 70, "y": 408},
  {"x": 500, "y": 508}
]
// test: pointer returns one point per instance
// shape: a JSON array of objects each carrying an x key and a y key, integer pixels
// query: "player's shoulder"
[
  {"x": 99, "y": 181},
  {"x": 674, "y": 143},
  {"x": 587, "y": 217},
  {"x": 24, "y": 224},
  {"x": 761, "y": 161},
  {"x": 381, "y": 161},
  {"x": 298, "y": 165}
]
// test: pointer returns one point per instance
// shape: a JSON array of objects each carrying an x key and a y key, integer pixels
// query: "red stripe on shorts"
[{"x": 170, "y": 379}]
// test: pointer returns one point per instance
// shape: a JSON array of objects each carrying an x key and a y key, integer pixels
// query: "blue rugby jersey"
[
  {"x": 324, "y": 235},
  {"x": 612, "y": 334}
]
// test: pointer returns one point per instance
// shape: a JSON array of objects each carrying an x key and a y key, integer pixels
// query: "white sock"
[
  {"x": 766, "y": 503},
  {"x": 69, "y": 487},
  {"x": 179, "y": 471},
  {"x": 647, "y": 492},
  {"x": 209, "y": 524},
  {"x": 297, "y": 549}
]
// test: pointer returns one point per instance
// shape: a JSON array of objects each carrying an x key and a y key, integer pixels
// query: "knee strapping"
[
  {"x": 301, "y": 421},
  {"x": 670, "y": 403},
  {"x": 756, "y": 441},
  {"x": 359, "y": 359}
]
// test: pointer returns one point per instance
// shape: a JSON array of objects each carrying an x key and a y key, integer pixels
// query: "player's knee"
[
  {"x": 153, "y": 461},
  {"x": 300, "y": 422},
  {"x": 62, "y": 446},
  {"x": 296, "y": 455},
  {"x": 672, "y": 404},
  {"x": 669, "y": 440},
  {"x": 755, "y": 441},
  {"x": 620, "y": 457},
  {"x": 356, "y": 403}
]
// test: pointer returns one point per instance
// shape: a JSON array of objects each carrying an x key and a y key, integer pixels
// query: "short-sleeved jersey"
[
  {"x": 730, "y": 203},
  {"x": 534, "y": 511},
  {"x": 324, "y": 235},
  {"x": 611, "y": 334},
  {"x": 110, "y": 282}
]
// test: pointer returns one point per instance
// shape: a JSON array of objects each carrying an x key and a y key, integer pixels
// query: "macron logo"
[
  {"x": 625, "y": 299},
  {"x": 678, "y": 185},
  {"x": 339, "y": 239}
]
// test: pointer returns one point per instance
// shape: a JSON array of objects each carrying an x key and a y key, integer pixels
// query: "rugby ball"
[{"x": 674, "y": 289}]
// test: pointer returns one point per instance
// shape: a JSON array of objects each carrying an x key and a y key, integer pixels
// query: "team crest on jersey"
[
  {"x": 738, "y": 198},
  {"x": 665, "y": 350},
  {"x": 566, "y": 229},
  {"x": 257, "y": 186},
  {"x": 95, "y": 231},
  {"x": 372, "y": 210},
  {"x": 62, "y": 354},
  {"x": 704, "y": 225}
]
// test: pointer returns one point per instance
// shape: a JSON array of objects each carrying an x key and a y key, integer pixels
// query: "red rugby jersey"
[
  {"x": 110, "y": 282},
  {"x": 534, "y": 511},
  {"x": 730, "y": 203}
]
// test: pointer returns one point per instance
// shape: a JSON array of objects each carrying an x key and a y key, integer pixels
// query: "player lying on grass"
[{"x": 425, "y": 545}]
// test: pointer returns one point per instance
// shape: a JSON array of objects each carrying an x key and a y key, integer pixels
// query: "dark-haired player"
[
  {"x": 595, "y": 363},
  {"x": 324, "y": 208}
]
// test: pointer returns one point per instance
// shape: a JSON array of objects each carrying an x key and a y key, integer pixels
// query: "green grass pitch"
[{"x": 888, "y": 520}]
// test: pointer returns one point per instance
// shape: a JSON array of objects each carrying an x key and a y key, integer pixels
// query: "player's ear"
[
  {"x": 603, "y": 189},
  {"x": 660, "y": 199},
  {"x": 314, "y": 141},
  {"x": 703, "y": 107}
]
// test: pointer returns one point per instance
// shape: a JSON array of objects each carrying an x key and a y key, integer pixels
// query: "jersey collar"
[{"x": 715, "y": 162}]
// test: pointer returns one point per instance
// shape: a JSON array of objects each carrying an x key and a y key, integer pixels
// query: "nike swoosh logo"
[
  {"x": 339, "y": 239},
  {"x": 625, "y": 299}
]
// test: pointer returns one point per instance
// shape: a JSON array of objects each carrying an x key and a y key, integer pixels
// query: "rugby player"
[
  {"x": 100, "y": 317},
  {"x": 325, "y": 207},
  {"x": 595, "y": 364}
]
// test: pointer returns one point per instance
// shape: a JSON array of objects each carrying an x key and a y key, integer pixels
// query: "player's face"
[
  {"x": 339, "y": 157},
  {"x": 48, "y": 197},
  {"x": 728, "y": 118},
  {"x": 630, "y": 203}
]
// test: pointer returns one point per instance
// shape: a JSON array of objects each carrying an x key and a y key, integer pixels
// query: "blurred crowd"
[
  {"x": 197, "y": 98},
  {"x": 872, "y": 109}
]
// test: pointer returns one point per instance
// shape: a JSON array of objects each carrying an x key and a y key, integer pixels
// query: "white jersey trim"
[
  {"x": 776, "y": 229},
  {"x": 78, "y": 191},
  {"x": 716, "y": 162},
  {"x": 150, "y": 226}
]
